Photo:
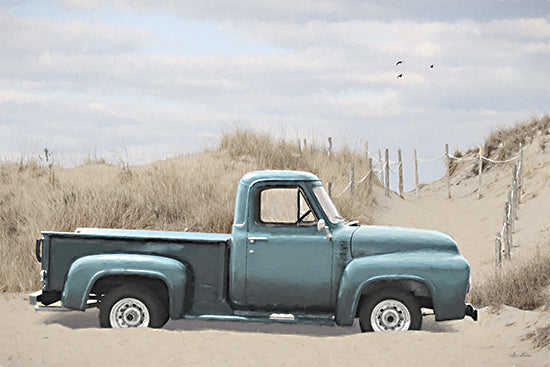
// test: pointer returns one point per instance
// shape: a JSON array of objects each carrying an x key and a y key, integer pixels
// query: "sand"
[
  {"x": 501, "y": 337},
  {"x": 32, "y": 338}
]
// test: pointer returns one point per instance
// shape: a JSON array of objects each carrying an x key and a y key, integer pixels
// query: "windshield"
[{"x": 327, "y": 204}]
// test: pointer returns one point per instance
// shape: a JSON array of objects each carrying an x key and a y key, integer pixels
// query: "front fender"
[
  {"x": 444, "y": 275},
  {"x": 86, "y": 271}
]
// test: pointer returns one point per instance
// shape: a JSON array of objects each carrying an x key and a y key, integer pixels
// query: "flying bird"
[
  {"x": 399, "y": 62},
  {"x": 400, "y": 76},
  {"x": 431, "y": 66}
]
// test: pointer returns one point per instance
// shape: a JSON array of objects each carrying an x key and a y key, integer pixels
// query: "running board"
[{"x": 323, "y": 319}]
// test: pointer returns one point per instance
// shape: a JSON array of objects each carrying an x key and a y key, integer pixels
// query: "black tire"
[
  {"x": 388, "y": 310},
  {"x": 132, "y": 306}
]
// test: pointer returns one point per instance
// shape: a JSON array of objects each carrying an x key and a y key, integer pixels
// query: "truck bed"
[{"x": 205, "y": 254}]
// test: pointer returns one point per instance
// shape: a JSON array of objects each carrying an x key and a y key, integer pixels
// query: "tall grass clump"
[
  {"x": 525, "y": 285},
  {"x": 186, "y": 193},
  {"x": 504, "y": 143}
]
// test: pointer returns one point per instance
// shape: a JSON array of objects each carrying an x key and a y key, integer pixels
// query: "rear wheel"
[
  {"x": 390, "y": 310},
  {"x": 132, "y": 306}
]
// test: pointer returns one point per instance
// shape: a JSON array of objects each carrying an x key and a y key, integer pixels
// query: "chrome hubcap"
[
  {"x": 390, "y": 315},
  {"x": 129, "y": 312}
]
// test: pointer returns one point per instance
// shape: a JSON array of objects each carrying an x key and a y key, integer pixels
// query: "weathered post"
[
  {"x": 300, "y": 147},
  {"x": 399, "y": 158},
  {"x": 416, "y": 174},
  {"x": 381, "y": 168},
  {"x": 498, "y": 250},
  {"x": 351, "y": 179},
  {"x": 329, "y": 147},
  {"x": 448, "y": 162},
  {"x": 369, "y": 178},
  {"x": 509, "y": 226},
  {"x": 506, "y": 230},
  {"x": 330, "y": 189},
  {"x": 520, "y": 174},
  {"x": 479, "y": 171},
  {"x": 515, "y": 190},
  {"x": 387, "y": 168}
]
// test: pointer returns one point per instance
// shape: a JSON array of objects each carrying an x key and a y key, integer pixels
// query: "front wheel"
[
  {"x": 130, "y": 306},
  {"x": 390, "y": 310}
]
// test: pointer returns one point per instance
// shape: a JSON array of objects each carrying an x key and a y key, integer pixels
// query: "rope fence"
[
  {"x": 503, "y": 239},
  {"x": 383, "y": 167}
]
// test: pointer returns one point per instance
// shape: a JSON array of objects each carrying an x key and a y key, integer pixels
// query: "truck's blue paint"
[
  {"x": 265, "y": 267},
  {"x": 87, "y": 270}
]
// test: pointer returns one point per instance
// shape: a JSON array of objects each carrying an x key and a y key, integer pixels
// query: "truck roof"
[{"x": 277, "y": 175}]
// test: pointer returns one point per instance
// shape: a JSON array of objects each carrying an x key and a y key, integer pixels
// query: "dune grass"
[
  {"x": 524, "y": 285},
  {"x": 193, "y": 192}
]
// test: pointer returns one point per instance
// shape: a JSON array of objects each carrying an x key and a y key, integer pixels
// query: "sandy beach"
[{"x": 32, "y": 338}]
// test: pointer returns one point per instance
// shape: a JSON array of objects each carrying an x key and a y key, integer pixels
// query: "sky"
[{"x": 144, "y": 80}]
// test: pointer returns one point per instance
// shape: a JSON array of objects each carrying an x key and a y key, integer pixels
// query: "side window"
[{"x": 284, "y": 205}]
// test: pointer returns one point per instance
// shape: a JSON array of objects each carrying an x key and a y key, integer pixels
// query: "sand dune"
[{"x": 500, "y": 338}]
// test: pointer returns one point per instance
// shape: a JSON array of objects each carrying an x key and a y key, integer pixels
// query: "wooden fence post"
[
  {"x": 351, "y": 179},
  {"x": 505, "y": 230},
  {"x": 369, "y": 179},
  {"x": 329, "y": 147},
  {"x": 520, "y": 172},
  {"x": 515, "y": 190},
  {"x": 448, "y": 162},
  {"x": 399, "y": 158},
  {"x": 509, "y": 226},
  {"x": 498, "y": 250},
  {"x": 367, "y": 149},
  {"x": 381, "y": 168},
  {"x": 387, "y": 168},
  {"x": 416, "y": 174},
  {"x": 479, "y": 171},
  {"x": 330, "y": 189},
  {"x": 300, "y": 146}
]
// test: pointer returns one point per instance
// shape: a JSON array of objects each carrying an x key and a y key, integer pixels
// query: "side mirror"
[{"x": 322, "y": 225}]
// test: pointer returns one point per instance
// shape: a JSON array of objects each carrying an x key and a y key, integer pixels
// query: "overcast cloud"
[{"x": 158, "y": 78}]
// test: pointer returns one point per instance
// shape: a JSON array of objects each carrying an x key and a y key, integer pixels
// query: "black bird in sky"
[
  {"x": 400, "y": 75},
  {"x": 431, "y": 66},
  {"x": 399, "y": 62}
]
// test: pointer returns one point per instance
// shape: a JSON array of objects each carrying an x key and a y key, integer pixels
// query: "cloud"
[
  {"x": 30, "y": 36},
  {"x": 101, "y": 84}
]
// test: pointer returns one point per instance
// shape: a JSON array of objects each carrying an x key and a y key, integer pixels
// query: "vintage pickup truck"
[{"x": 290, "y": 258}]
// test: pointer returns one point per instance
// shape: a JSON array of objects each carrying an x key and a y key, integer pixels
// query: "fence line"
[
  {"x": 385, "y": 167},
  {"x": 503, "y": 239}
]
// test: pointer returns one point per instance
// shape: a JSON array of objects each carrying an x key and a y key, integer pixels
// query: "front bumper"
[{"x": 471, "y": 311}]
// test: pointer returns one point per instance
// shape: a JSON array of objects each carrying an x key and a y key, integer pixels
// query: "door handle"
[{"x": 254, "y": 239}]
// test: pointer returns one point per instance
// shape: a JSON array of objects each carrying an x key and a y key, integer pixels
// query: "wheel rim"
[
  {"x": 129, "y": 312},
  {"x": 390, "y": 315}
]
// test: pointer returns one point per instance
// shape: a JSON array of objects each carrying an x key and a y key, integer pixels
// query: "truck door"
[{"x": 289, "y": 263}]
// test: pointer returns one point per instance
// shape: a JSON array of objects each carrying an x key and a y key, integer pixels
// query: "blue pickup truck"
[{"x": 290, "y": 258}]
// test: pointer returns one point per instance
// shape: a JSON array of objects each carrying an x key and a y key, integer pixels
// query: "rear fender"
[{"x": 86, "y": 271}]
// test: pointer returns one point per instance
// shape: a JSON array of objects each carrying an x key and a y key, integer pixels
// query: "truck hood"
[{"x": 375, "y": 240}]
